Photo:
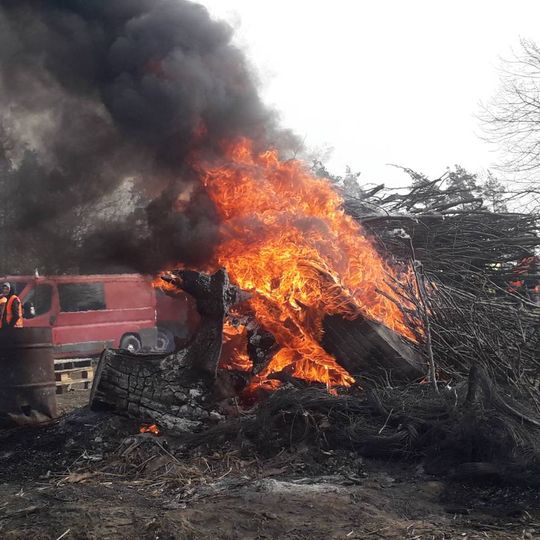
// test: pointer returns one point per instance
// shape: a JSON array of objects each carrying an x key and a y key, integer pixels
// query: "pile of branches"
[
  {"x": 481, "y": 414},
  {"x": 470, "y": 423},
  {"x": 500, "y": 333},
  {"x": 456, "y": 235},
  {"x": 467, "y": 256}
]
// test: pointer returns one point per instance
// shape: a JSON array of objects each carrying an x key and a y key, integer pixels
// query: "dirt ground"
[{"x": 91, "y": 476}]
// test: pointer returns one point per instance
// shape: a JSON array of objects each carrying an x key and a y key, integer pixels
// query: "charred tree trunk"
[
  {"x": 156, "y": 389},
  {"x": 366, "y": 348},
  {"x": 171, "y": 390}
]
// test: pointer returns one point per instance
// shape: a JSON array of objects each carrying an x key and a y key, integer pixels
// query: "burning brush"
[{"x": 287, "y": 241}]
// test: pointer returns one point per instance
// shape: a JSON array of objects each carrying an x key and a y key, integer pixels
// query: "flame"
[
  {"x": 149, "y": 428},
  {"x": 169, "y": 287},
  {"x": 286, "y": 239},
  {"x": 235, "y": 355}
]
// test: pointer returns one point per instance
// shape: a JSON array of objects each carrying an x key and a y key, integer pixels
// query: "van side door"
[{"x": 83, "y": 321}]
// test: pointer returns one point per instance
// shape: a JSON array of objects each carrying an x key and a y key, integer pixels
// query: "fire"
[
  {"x": 234, "y": 354},
  {"x": 149, "y": 428},
  {"x": 286, "y": 239},
  {"x": 166, "y": 286}
]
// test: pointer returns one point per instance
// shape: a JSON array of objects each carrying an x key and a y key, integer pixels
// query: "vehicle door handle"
[{"x": 52, "y": 319}]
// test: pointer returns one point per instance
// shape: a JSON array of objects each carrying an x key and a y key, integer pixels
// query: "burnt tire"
[{"x": 131, "y": 343}]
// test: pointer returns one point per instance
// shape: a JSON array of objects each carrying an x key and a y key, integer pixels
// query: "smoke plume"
[{"x": 100, "y": 104}]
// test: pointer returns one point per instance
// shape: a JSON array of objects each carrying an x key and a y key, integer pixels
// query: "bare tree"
[{"x": 512, "y": 121}]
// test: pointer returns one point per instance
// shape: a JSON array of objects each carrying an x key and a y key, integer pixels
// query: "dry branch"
[{"x": 470, "y": 254}]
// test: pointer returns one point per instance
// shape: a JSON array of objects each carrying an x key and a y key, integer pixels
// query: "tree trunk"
[
  {"x": 175, "y": 390},
  {"x": 366, "y": 348}
]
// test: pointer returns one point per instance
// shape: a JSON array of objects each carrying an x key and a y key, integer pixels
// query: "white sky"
[{"x": 382, "y": 81}]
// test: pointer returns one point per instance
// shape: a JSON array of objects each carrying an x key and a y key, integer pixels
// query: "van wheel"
[
  {"x": 165, "y": 340},
  {"x": 131, "y": 343}
]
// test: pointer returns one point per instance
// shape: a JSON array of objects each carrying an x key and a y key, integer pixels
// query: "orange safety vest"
[
  {"x": 8, "y": 312},
  {"x": 3, "y": 302}
]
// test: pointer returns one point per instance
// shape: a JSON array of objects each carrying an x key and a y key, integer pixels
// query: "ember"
[
  {"x": 235, "y": 348},
  {"x": 149, "y": 428}
]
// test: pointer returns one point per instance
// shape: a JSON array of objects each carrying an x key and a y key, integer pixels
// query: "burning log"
[
  {"x": 366, "y": 348},
  {"x": 173, "y": 391},
  {"x": 214, "y": 296},
  {"x": 261, "y": 346}
]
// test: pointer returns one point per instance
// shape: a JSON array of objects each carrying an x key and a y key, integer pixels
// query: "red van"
[{"x": 89, "y": 313}]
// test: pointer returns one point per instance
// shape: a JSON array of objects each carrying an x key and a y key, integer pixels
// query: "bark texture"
[{"x": 174, "y": 390}]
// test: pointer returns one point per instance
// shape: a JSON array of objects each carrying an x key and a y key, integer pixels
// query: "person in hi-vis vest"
[
  {"x": 3, "y": 302},
  {"x": 11, "y": 307}
]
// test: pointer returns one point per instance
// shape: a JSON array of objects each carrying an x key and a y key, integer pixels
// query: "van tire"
[
  {"x": 165, "y": 340},
  {"x": 131, "y": 343}
]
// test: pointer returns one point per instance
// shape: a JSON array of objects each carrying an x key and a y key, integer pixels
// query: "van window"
[
  {"x": 81, "y": 296},
  {"x": 40, "y": 297}
]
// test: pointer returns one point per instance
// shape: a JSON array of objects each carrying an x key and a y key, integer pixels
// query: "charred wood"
[
  {"x": 366, "y": 348},
  {"x": 214, "y": 296},
  {"x": 175, "y": 391},
  {"x": 158, "y": 389},
  {"x": 261, "y": 347}
]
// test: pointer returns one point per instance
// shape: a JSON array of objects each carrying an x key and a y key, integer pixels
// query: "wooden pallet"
[
  {"x": 73, "y": 379},
  {"x": 71, "y": 363}
]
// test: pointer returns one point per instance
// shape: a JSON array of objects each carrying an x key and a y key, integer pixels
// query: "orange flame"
[
  {"x": 149, "y": 428},
  {"x": 165, "y": 286},
  {"x": 234, "y": 354},
  {"x": 286, "y": 239}
]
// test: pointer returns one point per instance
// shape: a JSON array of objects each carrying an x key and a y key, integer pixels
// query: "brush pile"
[
  {"x": 476, "y": 300},
  {"x": 471, "y": 294},
  {"x": 477, "y": 265},
  {"x": 449, "y": 430},
  {"x": 477, "y": 290}
]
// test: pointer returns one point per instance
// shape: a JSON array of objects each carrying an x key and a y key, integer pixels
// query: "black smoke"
[{"x": 97, "y": 95}]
